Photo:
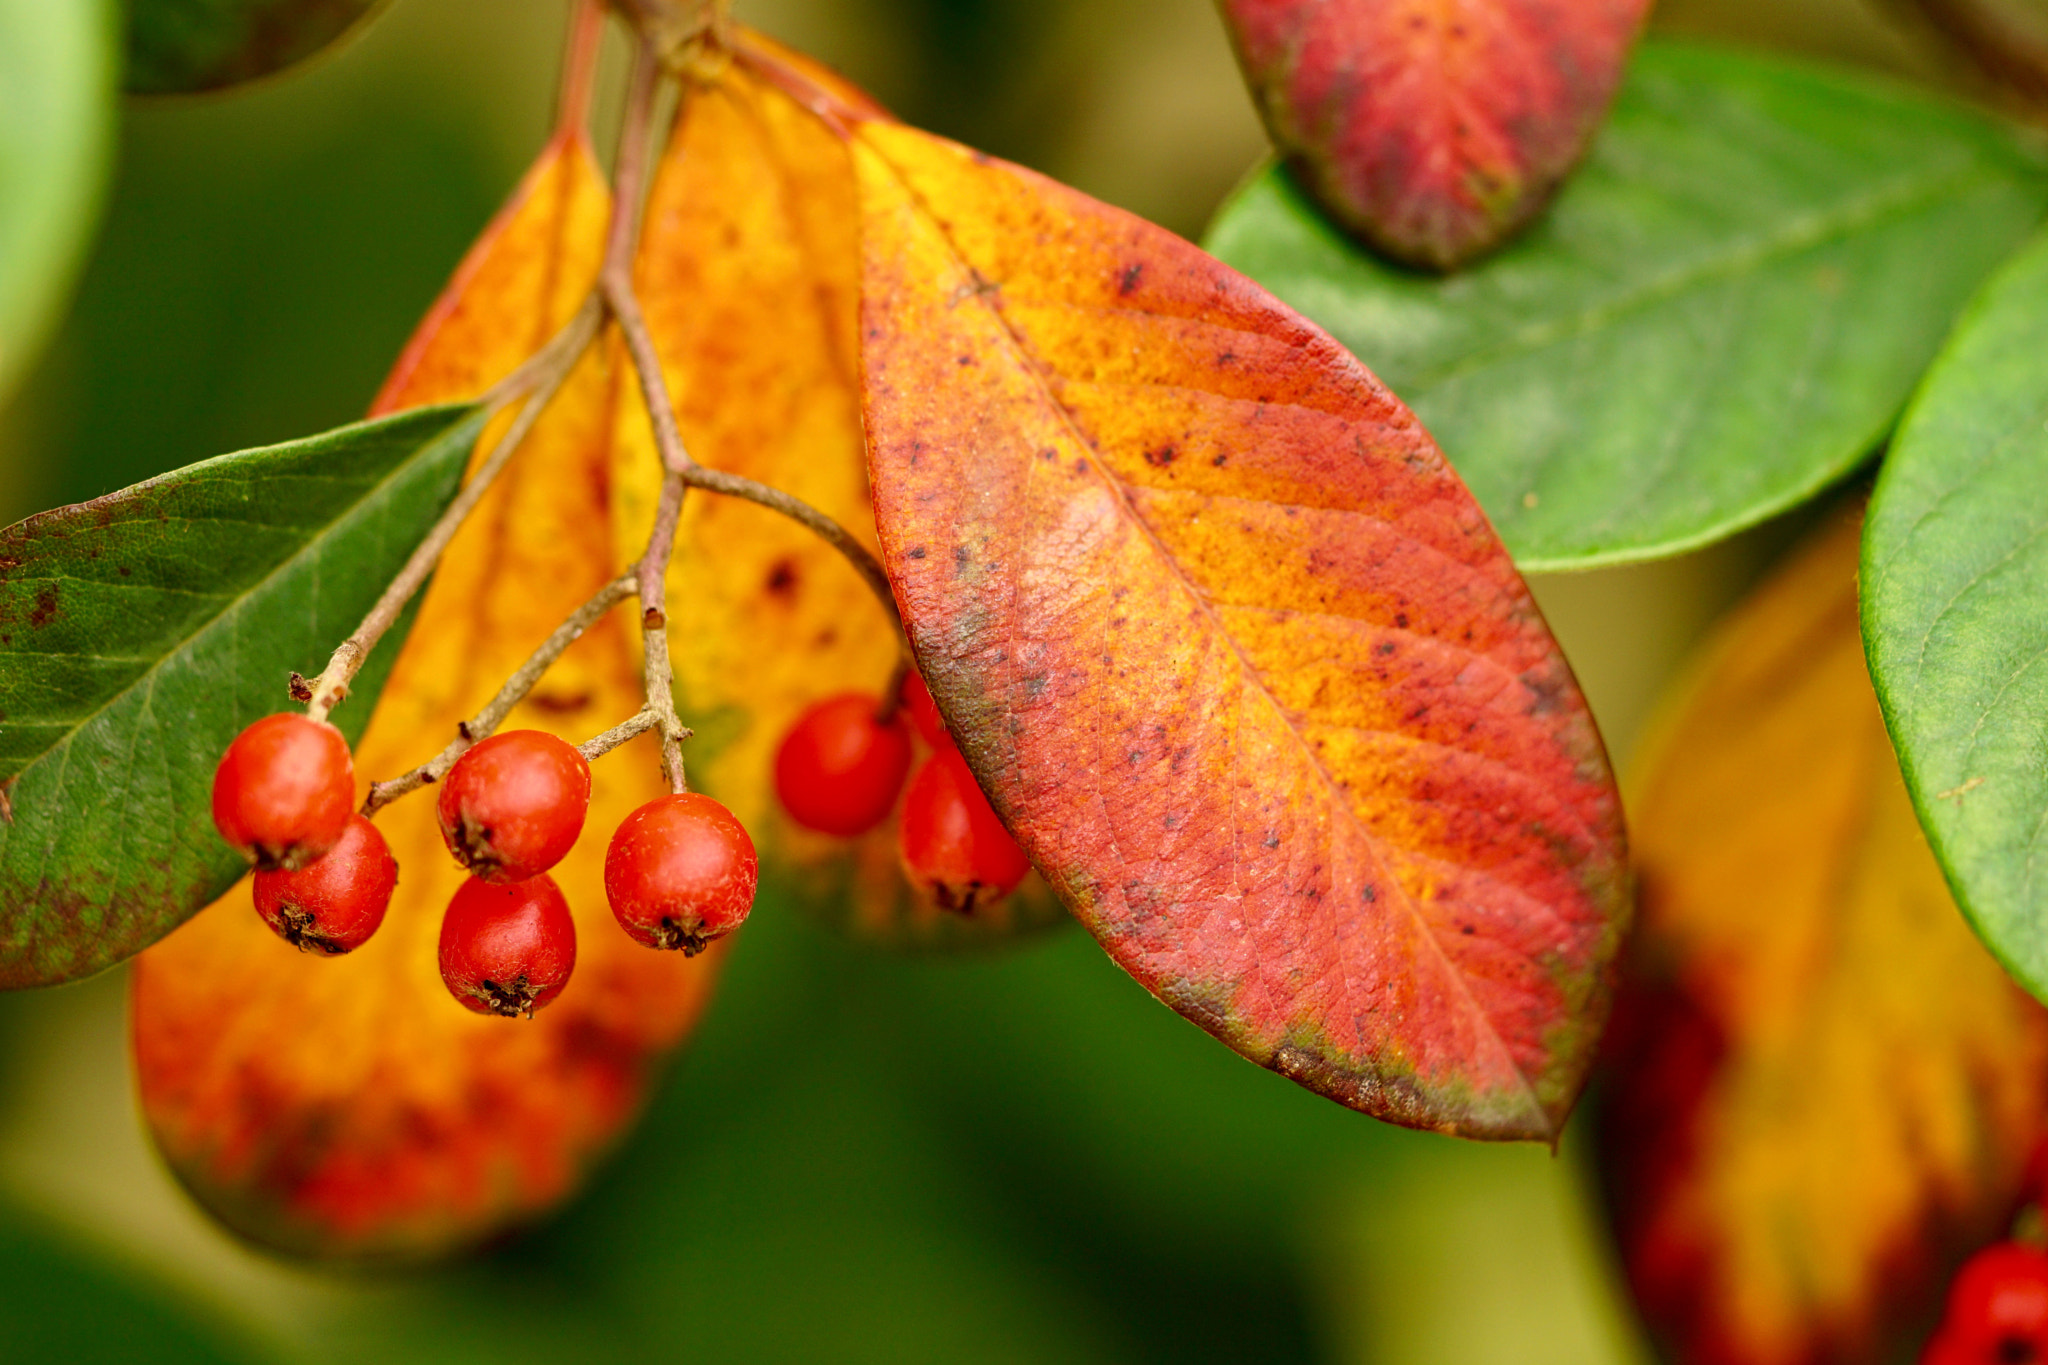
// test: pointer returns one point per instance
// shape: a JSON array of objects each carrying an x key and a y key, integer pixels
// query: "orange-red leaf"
[
  {"x": 1432, "y": 128},
  {"x": 349, "y": 1106},
  {"x": 1825, "y": 1089},
  {"x": 1233, "y": 650},
  {"x": 750, "y": 273}
]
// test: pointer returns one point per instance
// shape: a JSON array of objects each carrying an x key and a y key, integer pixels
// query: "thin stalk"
[{"x": 485, "y": 722}]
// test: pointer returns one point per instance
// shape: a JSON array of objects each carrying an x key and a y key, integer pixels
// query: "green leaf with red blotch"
[
  {"x": 1232, "y": 650},
  {"x": 141, "y": 631},
  {"x": 182, "y": 46},
  {"x": 1432, "y": 131}
]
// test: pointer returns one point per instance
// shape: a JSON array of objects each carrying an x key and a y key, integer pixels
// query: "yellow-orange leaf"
[
  {"x": 750, "y": 275},
  {"x": 1825, "y": 1088},
  {"x": 1232, "y": 649},
  {"x": 349, "y": 1106}
]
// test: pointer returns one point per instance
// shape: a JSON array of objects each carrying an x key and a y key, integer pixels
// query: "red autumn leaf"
[
  {"x": 1232, "y": 650},
  {"x": 349, "y": 1107},
  {"x": 1432, "y": 130}
]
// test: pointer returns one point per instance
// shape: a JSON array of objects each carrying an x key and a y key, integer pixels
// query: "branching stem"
[
  {"x": 597, "y": 746},
  {"x": 485, "y": 722},
  {"x": 539, "y": 377}
]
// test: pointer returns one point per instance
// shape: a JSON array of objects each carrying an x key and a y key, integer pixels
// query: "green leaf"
[
  {"x": 140, "y": 632},
  {"x": 1722, "y": 313},
  {"x": 1955, "y": 611},
  {"x": 57, "y": 68},
  {"x": 178, "y": 46}
]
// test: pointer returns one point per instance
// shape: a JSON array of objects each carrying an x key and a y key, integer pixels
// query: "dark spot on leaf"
[
  {"x": 782, "y": 578},
  {"x": 960, "y": 558},
  {"x": 1371, "y": 893},
  {"x": 45, "y": 609},
  {"x": 1401, "y": 619},
  {"x": 1049, "y": 454},
  {"x": 1466, "y": 929},
  {"x": 1136, "y": 756},
  {"x": 1272, "y": 839},
  {"x": 1383, "y": 648},
  {"x": 1161, "y": 457},
  {"x": 917, "y": 552},
  {"x": 1221, "y": 460},
  {"x": 126, "y": 572},
  {"x": 1129, "y": 281},
  {"x": 963, "y": 360}
]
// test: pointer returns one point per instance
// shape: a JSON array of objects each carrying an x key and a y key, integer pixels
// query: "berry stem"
[
  {"x": 616, "y": 281},
  {"x": 481, "y": 726},
  {"x": 537, "y": 380},
  {"x": 597, "y": 746}
]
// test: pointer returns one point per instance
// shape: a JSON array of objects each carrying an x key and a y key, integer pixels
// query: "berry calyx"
[
  {"x": 507, "y": 948},
  {"x": 513, "y": 806},
  {"x": 284, "y": 791},
  {"x": 333, "y": 904},
  {"x": 924, "y": 713},
  {"x": 839, "y": 768},
  {"x": 954, "y": 847},
  {"x": 1997, "y": 1308},
  {"x": 680, "y": 872}
]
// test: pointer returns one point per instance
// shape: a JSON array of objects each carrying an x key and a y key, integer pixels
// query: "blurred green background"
[{"x": 1016, "y": 1158}]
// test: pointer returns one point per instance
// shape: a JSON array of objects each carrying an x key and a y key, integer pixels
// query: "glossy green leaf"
[
  {"x": 1955, "y": 611},
  {"x": 57, "y": 66},
  {"x": 178, "y": 46},
  {"x": 1722, "y": 313},
  {"x": 140, "y": 632}
]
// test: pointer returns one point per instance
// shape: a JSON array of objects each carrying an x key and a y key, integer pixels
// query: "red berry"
[
  {"x": 839, "y": 768},
  {"x": 513, "y": 805},
  {"x": 507, "y": 948},
  {"x": 924, "y": 713},
  {"x": 284, "y": 791},
  {"x": 335, "y": 903},
  {"x": 1998, "y": 1306},
  {"x": 680, "y": 872},
  {"x": 955, "y": 849}
]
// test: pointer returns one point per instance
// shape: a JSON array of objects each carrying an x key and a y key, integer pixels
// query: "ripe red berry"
[
  {"x": 955, "y": 849},
  {"x": 284, "y": 791},
  {"x": 680, "y": 872},
  {"x": 924, "y": 713},
  {"x": 507, "y": 948},
  {"x": 333, "y": 904},
  {"x": 1998, "y": 1307},
  {"x": 839, "y": 768},
  {"x": 513, "y": 805}
]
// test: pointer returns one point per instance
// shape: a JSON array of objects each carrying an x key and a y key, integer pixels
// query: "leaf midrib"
[
  {"x": 1804, "y": 233},
  {"x": 1251, "y": 675}
]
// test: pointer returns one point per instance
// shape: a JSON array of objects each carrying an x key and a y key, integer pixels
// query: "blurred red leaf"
[
  {"x": 1824, "y": 1090},
  {"x": 1432, "y": 128}
]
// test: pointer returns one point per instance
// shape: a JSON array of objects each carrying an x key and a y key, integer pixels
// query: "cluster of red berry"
[
  {"x": 1997, "y": 1310},
  {"x": 841, "y": 768},
  {"x": 680, "y": 871}
]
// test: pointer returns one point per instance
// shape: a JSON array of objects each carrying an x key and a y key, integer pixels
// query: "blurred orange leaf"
[
  {"x": 1233, "y": 651},
  {"x": 1432, "y": 130},
  {"x": 750, "y": 274},
  {"x": 348, "y": 1106},
  {"x": 1824, "y": 1089}
]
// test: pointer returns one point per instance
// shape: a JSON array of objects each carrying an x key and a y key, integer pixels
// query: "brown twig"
[
  {"x": 542, "y": 381},
  {"x": 485, "y": 722},
  {"x": 615, "y": 280},
  {"x": 2015, "y": 61},
  {"x": 597, "y": 746}
]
